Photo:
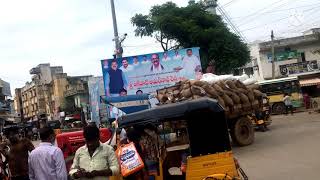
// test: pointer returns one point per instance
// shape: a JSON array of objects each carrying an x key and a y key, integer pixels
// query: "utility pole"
[
  {"x": 273, "y": 55},
  {"x": 119, "y": 49}
]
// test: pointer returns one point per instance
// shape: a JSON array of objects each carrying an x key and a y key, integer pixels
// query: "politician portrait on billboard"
[{"x": 148, "y": 72}]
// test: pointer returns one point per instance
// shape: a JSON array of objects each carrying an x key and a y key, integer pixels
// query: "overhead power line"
[
  {"x": 277, "y": 20},
  {"x": 228, "y": 3},
  {"x": 233, "y": 27},
  {"x": 261, "y": 26},
  {"x": 249, "y": 20},
  {"x": 260, "y": 10},
  {"x": 276, "y": 11}
]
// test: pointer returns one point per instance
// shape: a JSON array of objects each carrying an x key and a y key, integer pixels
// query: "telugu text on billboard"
[{"x": 149, "y": 72}]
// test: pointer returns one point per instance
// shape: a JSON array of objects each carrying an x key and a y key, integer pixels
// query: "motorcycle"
[{"x": 261, "y": 119}]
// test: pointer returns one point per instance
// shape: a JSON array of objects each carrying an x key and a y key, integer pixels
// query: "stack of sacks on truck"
[{"x": 236, "y": 94}]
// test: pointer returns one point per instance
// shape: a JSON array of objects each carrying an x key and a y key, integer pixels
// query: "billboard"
[
  {"x": 149, "y": 72},
  {"x": 94, "y": 86}
]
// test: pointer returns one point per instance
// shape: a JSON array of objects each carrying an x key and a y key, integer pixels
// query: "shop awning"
[{"x": 310, "y": 82}]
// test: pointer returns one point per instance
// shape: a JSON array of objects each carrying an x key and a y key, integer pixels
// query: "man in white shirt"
[
  {"x": 156, "y": 67},
  {"x": 177, "y": 56},
  {"x": 190, "y": 65},
  {"x": 94, "y": 160},
  {"x": 145, "y": 60},
  {"x": 165, "y": 57},
  {"x": 135, "y": 61},
  {"x": 126, "y": 66},
  {"x": 288, "y": 103}
]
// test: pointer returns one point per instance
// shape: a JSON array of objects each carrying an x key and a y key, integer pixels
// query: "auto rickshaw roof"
[{"x": 169, "y": 111}]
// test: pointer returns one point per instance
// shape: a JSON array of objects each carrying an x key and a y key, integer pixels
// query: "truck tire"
[
  {"x": 278, "y": 108},
  {"x": 242, "y": 132}
]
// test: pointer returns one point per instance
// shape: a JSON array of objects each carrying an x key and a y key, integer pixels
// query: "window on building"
[
  {"x": 287, "y": 49},
  {"x": 303, "y": 57},
  {"x": 280, "y": 88}
]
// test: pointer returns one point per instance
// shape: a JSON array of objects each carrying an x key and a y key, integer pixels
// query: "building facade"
[
  {"x": 77, "y": 93},
  {"x": 50, "y": 92},
  {"x": 294, "y": 56},
  {"x": 59, "y": 85},
  {"x": 6, "y": 111},
  {"x": 18, "y": 103},
  {"x": 36, "y": 96}
]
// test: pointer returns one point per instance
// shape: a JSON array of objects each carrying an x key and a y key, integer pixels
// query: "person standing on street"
[
  {"x": 18, "y": 158},
  {"x": 287, "y": 101},
  {"x": 4, "y": 168},
  {"x": 94, "y": 160},
  {"x": 46, "y": 161},
  {"x": 306, "y": 100}
]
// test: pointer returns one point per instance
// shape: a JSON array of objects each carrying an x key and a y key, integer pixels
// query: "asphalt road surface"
[{"x": 290, "y": 150}]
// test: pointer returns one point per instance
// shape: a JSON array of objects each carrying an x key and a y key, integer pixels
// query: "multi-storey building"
[
  {"x": 295, "y": 56},
  {"x": 51, "y": 92},
  {"x": 78, "y": 93},
  {"x": 18, "y": 103},
  {"x": 36, "y": 96},
  {"x": 5, "y": 104}
]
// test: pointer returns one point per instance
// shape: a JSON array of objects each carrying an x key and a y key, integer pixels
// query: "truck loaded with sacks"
[{"x": 238, "y": 95}]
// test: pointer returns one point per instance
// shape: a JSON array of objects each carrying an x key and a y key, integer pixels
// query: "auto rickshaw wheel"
[{"x": 242, "y": 132}]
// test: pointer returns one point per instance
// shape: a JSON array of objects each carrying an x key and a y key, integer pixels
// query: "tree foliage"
[
  {"x": 67, "y": 105},
  {"x": 182, "y": 27}
]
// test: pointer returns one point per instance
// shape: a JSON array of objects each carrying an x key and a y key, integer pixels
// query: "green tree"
[{"x": 192, "y": 26}]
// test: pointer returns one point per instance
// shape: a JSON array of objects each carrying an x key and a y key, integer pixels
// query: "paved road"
[{"x": 290, "y": 150}]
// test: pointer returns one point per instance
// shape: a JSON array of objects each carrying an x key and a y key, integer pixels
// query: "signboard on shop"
[
  {"x": 301, "y": 67},
  {"x": 284, "y": 55}
]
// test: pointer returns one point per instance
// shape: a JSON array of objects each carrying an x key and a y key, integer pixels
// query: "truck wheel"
[
  {"x": 242, "y": 132},
  {"x": 278, "y": 108}
]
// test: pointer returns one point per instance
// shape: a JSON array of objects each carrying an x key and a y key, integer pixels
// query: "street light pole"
[
  {"x": 273, "y": 55},
  {"x": 119, "y": 50}
]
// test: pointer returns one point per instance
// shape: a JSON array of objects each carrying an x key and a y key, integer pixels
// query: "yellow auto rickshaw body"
[{"x": 215, "y": 165}]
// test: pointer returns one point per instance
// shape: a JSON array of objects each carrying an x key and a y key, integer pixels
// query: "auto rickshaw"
[
  {"x": 191, "y": 138},
  {"x": 261, "y": 119}
]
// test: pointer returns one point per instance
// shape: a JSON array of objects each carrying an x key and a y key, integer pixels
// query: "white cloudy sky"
[{"x": 78, "y": 33}]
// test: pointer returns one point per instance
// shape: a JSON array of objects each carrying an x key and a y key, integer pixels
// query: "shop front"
[{"x": 310, "y": 86}]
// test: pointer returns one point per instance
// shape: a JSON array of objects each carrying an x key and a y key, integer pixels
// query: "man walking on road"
[
  {"x": 94, "y": 160},
  {"x": 46, "y": 161},
  {"x": 287, "y": 101},
  {"x": 18, "y": 158}
]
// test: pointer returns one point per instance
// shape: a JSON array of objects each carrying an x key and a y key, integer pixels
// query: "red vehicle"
[{"x": 69, "y": 142}]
